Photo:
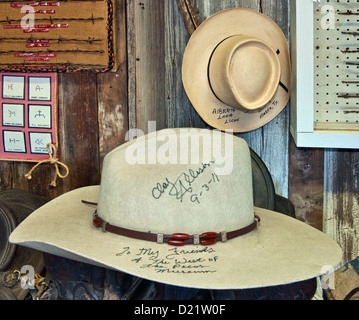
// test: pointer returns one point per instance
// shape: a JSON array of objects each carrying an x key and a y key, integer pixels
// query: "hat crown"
[
  {"x": 192, "y": 197},
  {"x": 244, "y": 72}
]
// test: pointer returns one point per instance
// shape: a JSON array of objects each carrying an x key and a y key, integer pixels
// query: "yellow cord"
[{"x": 52, "y": 160}]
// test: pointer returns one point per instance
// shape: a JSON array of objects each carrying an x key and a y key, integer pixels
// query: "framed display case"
[
  {"x": 28, "y": 113},
  {"x": 325, "y": 60},
  {"x": 57, "y": 36}
]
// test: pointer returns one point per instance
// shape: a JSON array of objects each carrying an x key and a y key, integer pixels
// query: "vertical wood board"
[
  {"x": 147, "y": 64},
  {"x": 112, "y": 89},
  {"x": 78, "y": 130},
  {"x": 306, "y": 178},
  {"x": 341, "y": 218}
]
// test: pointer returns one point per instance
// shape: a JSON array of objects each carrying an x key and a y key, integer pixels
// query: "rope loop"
[{"x": 53, "y": 160}]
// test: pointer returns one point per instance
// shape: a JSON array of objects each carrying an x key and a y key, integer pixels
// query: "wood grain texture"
[
  {"x": 112, "y": 91},
  {"x": 189, "y": 15},
  {"x": 112, "y": 111},
  {"x": 6, "y": 174},
  {"x": 341, "y": 200},
  {"x": 306, "y": 178},
  {"x": 131, "y": 63},
  {"x": 147, "y": 66},
  {"x": 180, "y": 112},
  {"x": 276, "y": 133},
  {"x": 78, "y": 130}
]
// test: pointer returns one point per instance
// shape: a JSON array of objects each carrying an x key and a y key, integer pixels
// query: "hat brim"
[
  {"x": 281, "y": 250},
  {"x": 196, "y": 59}
]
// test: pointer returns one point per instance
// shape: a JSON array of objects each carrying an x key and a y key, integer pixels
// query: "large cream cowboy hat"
[
  {"x": 176, "y": 206},
  {"x": 236, "y": 70}
]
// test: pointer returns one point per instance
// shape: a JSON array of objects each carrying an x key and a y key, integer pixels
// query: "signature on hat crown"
[
  {"x": 244, "y": 72},
  {"x": 179, "y": 197}
]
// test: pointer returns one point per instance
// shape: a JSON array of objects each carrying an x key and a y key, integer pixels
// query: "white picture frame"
[{"x": 302, "y": 111}]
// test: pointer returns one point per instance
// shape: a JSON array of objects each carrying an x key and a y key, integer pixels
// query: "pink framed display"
[{"x": 28, "y": 115}]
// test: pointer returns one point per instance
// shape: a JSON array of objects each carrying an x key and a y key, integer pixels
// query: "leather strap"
[{"x": 177, "y": 239}]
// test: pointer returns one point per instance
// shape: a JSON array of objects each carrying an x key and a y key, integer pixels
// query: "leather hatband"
[{"x": 177, "y": 239}]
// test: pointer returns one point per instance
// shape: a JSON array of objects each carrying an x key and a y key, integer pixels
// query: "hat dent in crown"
[
  {"x": 244, "y": 72},
  {"x": 169, "y": 198}
]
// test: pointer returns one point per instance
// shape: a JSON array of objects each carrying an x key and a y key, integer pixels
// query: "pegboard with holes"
[{"x": 325, "y": 59}]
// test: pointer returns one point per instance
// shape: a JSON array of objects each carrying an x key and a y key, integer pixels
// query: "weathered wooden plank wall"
[
  {"x": 96, "y": 111},
  {"x": 341, "y": 199},
  {"x": 112, "y": 90}
]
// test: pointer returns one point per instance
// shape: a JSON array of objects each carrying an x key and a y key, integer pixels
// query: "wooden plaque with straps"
[{"x": 57, "y": 36}]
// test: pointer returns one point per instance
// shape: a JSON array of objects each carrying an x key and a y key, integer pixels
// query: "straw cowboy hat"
[
  {"x": 236, "y": 70},
  {"x": 176, "y": 206}
]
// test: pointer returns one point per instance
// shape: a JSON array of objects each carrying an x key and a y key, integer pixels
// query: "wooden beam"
[
  {"x": 341, "y": 201},
  {"x": 112, "y": 92},
  {"x": 146, "y": 47},
  {"x": 306, "y": 178},
  {"x": 189, "y": 15},
  {"x": 78, "y": 130}
]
